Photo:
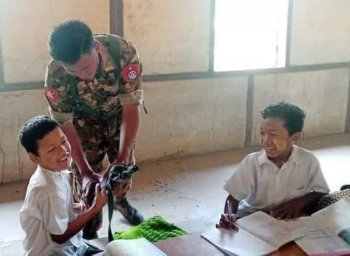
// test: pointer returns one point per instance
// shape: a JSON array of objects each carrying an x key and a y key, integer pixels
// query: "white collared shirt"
[
  {"x": 47, "y": 209},
  {"x": 260, "y": 185}
]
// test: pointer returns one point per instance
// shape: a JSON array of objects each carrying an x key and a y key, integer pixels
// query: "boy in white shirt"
[
  {"x": 51, "y": 221},
  {"x": 282, "y": 179}
]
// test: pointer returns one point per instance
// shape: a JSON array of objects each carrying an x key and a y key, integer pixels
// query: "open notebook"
[
  {"x": 134, "y": 247},
  {"x": 328, "y": 231},
  {"x": 259, "y": 234}
]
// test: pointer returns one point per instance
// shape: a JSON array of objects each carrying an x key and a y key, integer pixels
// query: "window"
[{"x": 250, "y": 34}]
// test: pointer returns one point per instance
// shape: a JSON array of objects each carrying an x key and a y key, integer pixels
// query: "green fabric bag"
[{"x": 153, "y": 229}]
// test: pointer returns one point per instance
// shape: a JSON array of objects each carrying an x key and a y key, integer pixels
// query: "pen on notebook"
[{"x": 229, "y": 211}]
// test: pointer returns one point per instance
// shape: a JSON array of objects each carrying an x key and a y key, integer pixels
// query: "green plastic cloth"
[{"x": 153, "y": 229}]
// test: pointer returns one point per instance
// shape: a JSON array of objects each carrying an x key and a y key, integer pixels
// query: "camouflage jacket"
[{"x": 115, "y": 83}]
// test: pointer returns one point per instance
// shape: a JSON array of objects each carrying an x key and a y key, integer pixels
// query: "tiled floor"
[{"x": 180, "y": 190}]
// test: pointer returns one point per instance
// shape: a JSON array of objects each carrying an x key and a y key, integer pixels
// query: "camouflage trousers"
[{"x": 98, "y": 140}]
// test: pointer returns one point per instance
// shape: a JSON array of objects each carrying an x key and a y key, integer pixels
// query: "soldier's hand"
[
  {"x": 106, "y": 171},
  {"x": 95, "y": 177}
]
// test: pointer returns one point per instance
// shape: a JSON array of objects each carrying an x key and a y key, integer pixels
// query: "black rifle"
[{"x": 117, "y": 175}]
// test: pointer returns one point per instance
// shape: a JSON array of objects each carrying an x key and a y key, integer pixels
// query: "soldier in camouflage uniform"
[{"x": 93, "y": 88}]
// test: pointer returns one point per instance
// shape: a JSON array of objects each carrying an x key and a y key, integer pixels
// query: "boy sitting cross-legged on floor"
[{"x": 282, "y": 179}]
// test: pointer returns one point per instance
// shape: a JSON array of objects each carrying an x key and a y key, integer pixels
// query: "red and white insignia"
[
  {"x": 51, "y": 94},
  {"x": 131, "y": 73}
]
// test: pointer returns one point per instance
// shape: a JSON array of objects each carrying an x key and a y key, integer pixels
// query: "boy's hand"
[
  {"x": 88, "y": 181},
  {"x": 227, "y": 222},
  {"x": 289, "y": 210},
  {"x": 101, "y": 197}
]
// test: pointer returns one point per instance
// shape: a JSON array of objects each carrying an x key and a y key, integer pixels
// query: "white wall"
[
  {"x": 171, "y": 35},
  {"x": 191, "y": 117},
  {"x": 15, "y": 109},
  {"x": 25, "y": 26},
  {"x": 185, "y": 117},
  {"x": 323, "y": 95},
  {"x": 320, "y": 32}
]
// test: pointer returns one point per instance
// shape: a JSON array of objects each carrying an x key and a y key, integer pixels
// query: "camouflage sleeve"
[
  {"x": 57, "y": 94},
  {"x": 130, "y": 88}
]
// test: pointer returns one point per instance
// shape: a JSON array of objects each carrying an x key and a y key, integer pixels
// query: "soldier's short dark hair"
[
  {"x": 34, "y": 130},
  {"x": 292, "y": 116},
  {"x": 69, "y": 40}
]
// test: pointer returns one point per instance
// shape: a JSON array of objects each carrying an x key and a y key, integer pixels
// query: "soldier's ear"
[{"x": 97, "y": 46}]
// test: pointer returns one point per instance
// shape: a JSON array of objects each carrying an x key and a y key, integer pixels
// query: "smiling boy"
[
  {"x": 51, "y": 221},
  {"x": 282, "y": 179}
]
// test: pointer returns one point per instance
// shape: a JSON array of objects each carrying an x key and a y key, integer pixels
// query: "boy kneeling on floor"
[
  {"x": 282, "y": 179},
  {"x": 51, "y": 221}
]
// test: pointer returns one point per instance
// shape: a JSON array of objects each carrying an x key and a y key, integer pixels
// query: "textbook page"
[
  {"x": 274, "y": 232},
  {"x": 321, "y": 241},
  {"x": 336, "y": 218},
  {"x": 239, "y": 242}
]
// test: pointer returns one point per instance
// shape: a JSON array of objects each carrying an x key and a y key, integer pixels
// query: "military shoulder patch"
[
  {"x": 51, "y": 94},
  {"x": 131, "y": 72}
]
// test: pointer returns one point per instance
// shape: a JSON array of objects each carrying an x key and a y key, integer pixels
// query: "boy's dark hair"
[
  {"x": 292, "y": 116},
  {"x": 36, "y": 129},
  {"x": 69, "y": 40}
]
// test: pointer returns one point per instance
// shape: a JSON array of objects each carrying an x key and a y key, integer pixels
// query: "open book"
[
  {"x": 328, "y": 230},
  {"x": 259, "y": 234}
]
